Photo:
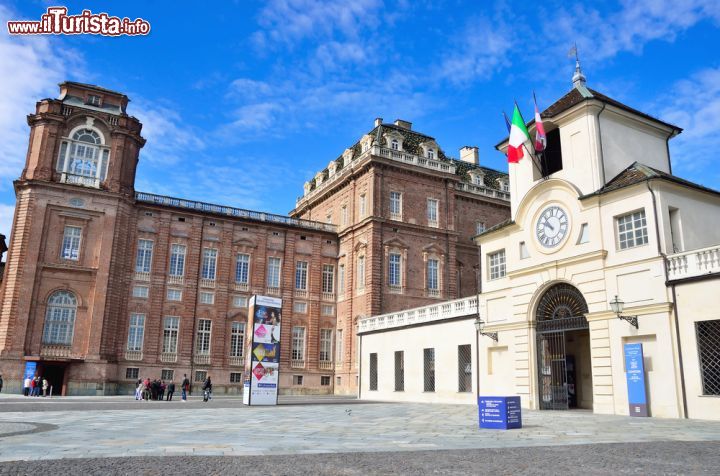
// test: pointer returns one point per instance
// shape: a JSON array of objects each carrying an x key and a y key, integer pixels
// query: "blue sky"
[{"x": 243, "y": 103}]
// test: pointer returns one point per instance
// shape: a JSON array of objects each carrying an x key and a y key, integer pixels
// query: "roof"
[
  {"x": 637, "y": 173},
  {"x": 92, "y": 86},
  {"x": 497, "y": 227}
]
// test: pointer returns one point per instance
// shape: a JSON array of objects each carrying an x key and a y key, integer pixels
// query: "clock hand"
[{"x": 552, "y": 228}]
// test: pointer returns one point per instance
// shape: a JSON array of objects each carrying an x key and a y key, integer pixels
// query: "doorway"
[{"x": 54, "y": 372}]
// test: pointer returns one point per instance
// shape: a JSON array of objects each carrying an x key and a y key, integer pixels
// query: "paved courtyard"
[{"x": 332, "y": 428}]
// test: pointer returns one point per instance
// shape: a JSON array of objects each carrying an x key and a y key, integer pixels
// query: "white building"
[{"x": 602, "y": 217}]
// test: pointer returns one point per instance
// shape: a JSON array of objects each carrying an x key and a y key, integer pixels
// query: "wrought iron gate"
[{"x": 560, "y": 310}]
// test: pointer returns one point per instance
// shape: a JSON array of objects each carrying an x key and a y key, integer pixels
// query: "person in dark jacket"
[
  {"x": 1, "y": 383},
  {"x": 170, "y": 391},
  {"x": 207, "y": 387},
  {"x": 185, "y": 387}
]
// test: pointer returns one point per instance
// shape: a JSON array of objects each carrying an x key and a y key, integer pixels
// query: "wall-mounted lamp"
[
  {"x": 617, "y": 306},
  {"x": 479, "y": 327}
]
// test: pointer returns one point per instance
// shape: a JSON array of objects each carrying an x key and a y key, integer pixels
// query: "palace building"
[
  {"x": 105, "y": 284},
  {"x": 605, "y": 248}
]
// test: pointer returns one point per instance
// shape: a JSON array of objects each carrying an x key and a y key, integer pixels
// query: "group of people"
[
  {"x": 36, "y": 387},
  {"x": 159, "y": 390}
]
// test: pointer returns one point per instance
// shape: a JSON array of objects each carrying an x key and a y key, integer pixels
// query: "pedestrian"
[
  {"x": 1, "y": 383},
  {"x": 170, "y": 390},
  {"x": 33, "y": 382},
  {"x": 138, "y": 390},
  {"x": 161, "y": 390},
  {"x": 45, "y": 387},
  {"x": 185, "y": 387},
  {"x": 207, "y": 389},
  {"x": 38, "y": 385},
  {"x": 26, "y": 386}
]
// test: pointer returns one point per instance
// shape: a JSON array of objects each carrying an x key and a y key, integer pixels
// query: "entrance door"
[
  {"x": 552, "y": 371},
  {"x": 55, "y": 375}
]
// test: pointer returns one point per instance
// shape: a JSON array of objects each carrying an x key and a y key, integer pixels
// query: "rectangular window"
[
  {"x": 363, "y": 205},
  {"x": 339, "y": 347},
  {"x": 71, "y": 243},
  {"x": 373, "y": 371},
  {"x": 429, "y": 370},
  {"x": 93, "y": 100},
  {"x": 167, "y": 374},
  {"x": 240, "y": 301},
  {"x": 202, "y": 345},
  {"x": 144, "y": 256},
  {"x": 632, "y": 230},
  {"x": 200, "y": 375},
  {"x": 524, "y": 253},
  {"x": 136, "y": 332},
  {"x": 170, "y": 334},
  {"x": 300, "y": 307},
  {"x": 361, "y": 273},
  {"x": 297, "y": 379},
  {"x": 344, "y": 215},
  {"x": 174, "y": 294},
  {"x": 207, "y": 298},
  {"x": 479, "y": 227},
  {"x": 328, "y": 278},
  {"x": 395, "y": 205},
  {"x": 433, "y": 283},
  {"x": 708, "y": 342},
  {"x": 177, "y": 260},
  {"x": 399, "y": 371},
  {"x": 394, "y": 270},
  {"x": 209, "y": 264},
  {"x": 236, "y": 377},
  {"x": 324, "y": 380},
  {"x": 341, "y": 279},
  {"x": 496, "y": 264},
  {"x": 242, "y": 269},
  {"x": 132, "y": 373},
  {"x": 432, "y": 212},
  {"x": 301, "y": 275},
  {"x": 325, "y": 344},
  {"x": 464, "y": 368},
  {"x": 273, "y": 274},
  {"x": 141, "y": 291},
  {"x": 327, "y": 310},
  {"x": 584, "y": 235},
  {"x": 298, "y": 343},
  {"x": 237, "y": 338}
]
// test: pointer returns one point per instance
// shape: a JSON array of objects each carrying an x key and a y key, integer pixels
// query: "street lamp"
[
  {"x": 617, "y": 306},
  {"x": 479, "y": 327}
]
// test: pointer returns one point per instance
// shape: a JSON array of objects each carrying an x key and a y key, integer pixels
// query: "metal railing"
[
  {"x": 457, "y": 308},
  {"x": 232, "y": 211},
  {"x": 693, "y": 263}
]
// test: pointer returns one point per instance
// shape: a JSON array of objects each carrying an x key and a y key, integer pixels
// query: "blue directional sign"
[
  {"x": 30, "y": 368},
  {"x": 501, "y": 413},
  {"x": 635, "y": 374}
]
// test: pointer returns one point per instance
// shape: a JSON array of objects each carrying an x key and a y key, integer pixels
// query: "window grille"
[
  {"x": 144, "y": 256},
  {"x": 132, "y": 373},
  {"x": 325, "y": 345},
  {"x": 170, "y": 334},
  {"x": 237, "y": 339},
  {"x": 209, "y": 264},
  {"x": 200, "y": 375},
  {"x": 632, "y": 230},
  {"x": 429, "y": 370},
  {"x": 242, "y": 269},
  {"x": 297, "y": 379},
  {"x": 236, "y": 377},
  {"x": 177, "y": 260},
  {"x": 203, "y": 337},
  {"x": 328, "y": 278},
  {"x": 167, "y": 374},
  {"x": 135, "y": 333},
  {"x": 433, "y": 266},
  {"x": 71, "y": 243},
  {"x": 324, "y": 380},
  {"x": 708, "y": 339},
  {"x": 373, "y": 371},
  {"x": 399, "y": 371},
  {"x": 60, "y": 318},
  {"x": 298, "y": 343},
  {"x": 394, "y": 276},
  {"x": 464, "y": 368},
  {"x": 301, "y": 275}
]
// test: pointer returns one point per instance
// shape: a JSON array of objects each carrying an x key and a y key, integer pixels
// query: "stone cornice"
[{"x": 599, "y": 254}]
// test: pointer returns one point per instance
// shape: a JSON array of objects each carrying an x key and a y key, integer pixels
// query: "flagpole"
[
  {"x": 541, "y": 159},
  {"x": 533, "y": 154}
]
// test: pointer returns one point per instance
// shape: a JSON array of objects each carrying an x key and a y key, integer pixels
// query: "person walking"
[
  {"x": 161, "y": 390},
  {"x": 170, "y": 390},
  {"x": 45, "y": 387},
  {"x": 185, "y": 387},
  {"x": 26, "y": 386},
  {"x": 1, "y": 383},
  {"x": 207, "y": 389}
]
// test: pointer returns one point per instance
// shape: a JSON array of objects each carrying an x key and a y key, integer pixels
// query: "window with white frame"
[
  {"x": 167, "y": 374},
  {"x": 174, "y": 294},
  {"x": 240, "y": 301},
  {"x": 339, "y": 347},
  {"x": 632, "y": 229},
  {"x": 361, "y": 273},
  {"x": 236, "y": 377},
  {"x": 431, "y": 153},
  {"x": 242, "y": 268},
  {"x": 298, "y": 343},
  {"x": 363, "y": 205},
  {"x": 479, "y": 227},
  {"x": 432, "y": 212},
  {"x": 141, "y": 291},
  {"x": 209, "y": 264},
  {"x": 177, "y": 259},
  {"x": 200, "y": 375},
  {"x": 341, "y": 279},
  {"x": 325, "y": 344},
  {"x": 132, "y": 373},
  {"x": 344, "y": 215},
  {"x": 395, "y": 270},
  {"x": 237, "y": 339},
  {"x": 496, "y": 264},
  {"x": 171, "y": 324},
  {"x": 60, "y": 318},
  {"x": 478, "y": 180},
  {"x": 144, "y": 256},
  {"x": 301, "y": 275},
  {"x": 207, "y": 297},
  {"x": 202, "y": 345},
  {"x": 394, "y": 144},
  {"x": 395, "y": 205},
  {"x": 300, "y": 307},
  {"x": 433, "y": 281},
  {"x": 327, "y": 310},
  {"x": 273, "y": 274},
  {"x": 83, "y": 157},
  {"x": 71, "y": 243},
  {"x": 328, "y": 278},
  {"x": 136, "y": 332}
]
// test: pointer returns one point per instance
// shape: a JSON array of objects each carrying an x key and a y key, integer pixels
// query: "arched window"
[
  {"x": 394, "y": 144},
  {"x": 83, "y": 157},
  {"x": 60, "y": 318}
]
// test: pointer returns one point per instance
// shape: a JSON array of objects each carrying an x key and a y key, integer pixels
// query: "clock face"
[{"x": 552, "y": 226}]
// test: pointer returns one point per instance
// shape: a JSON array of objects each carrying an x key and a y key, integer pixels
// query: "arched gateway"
[{"x": 563, "y": 350}]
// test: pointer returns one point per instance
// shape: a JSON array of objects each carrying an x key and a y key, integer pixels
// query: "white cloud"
[{"x": 6, "y": 217}]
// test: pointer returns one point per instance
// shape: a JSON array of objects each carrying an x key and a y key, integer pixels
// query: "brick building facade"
[{"x": 104, "y": 284}]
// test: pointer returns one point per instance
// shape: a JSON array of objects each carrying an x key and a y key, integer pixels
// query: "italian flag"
[{"x": 518, "y": 136}]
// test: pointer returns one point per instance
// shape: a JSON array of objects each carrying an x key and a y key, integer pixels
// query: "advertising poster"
[
  {"x": 635, "y": 374},
  {"x": 263, "y": 360}
]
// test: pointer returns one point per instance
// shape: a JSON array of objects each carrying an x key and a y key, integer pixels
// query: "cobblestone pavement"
[{"x": 121, "y": 427}]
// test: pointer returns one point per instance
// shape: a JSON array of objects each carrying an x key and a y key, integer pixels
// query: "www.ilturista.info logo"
[{"x": 57, "y": 22}]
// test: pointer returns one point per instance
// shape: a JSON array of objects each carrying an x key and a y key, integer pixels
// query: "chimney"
[
  {"x": 470, "y": 155},
  {"x": 403, "y": 124},
  {"x": 378, "y": 121}
]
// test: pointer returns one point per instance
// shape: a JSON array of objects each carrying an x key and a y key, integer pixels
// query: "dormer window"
[
  {"x": 93, "y": 100},
  {"x": 477, "y": 180},
  {"x": 83, "y": 157},
  {"x": 394, "y": 144},
  {"x": 431, "y": 153},
  {"x": 365, "y": 146},
  {"x": 503, "y": 184}
]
